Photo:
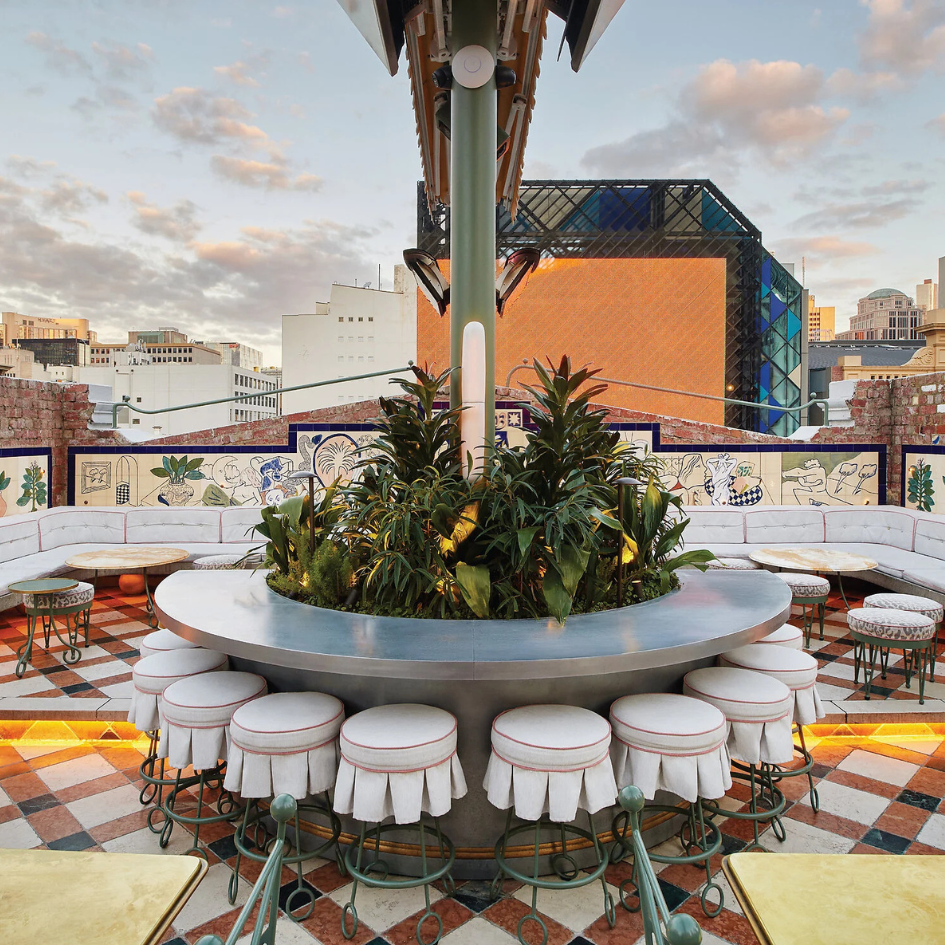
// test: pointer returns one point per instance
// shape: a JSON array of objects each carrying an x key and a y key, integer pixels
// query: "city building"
[
  {"x": 232, "y": 352},
  {"x": 358, "y": 331},
  {"x": 926, "y": 295},
  {"x": 56, "y": 351},
  {"x": 823, "y": 357},
  {"x": 661, "y": 283},
  {"x": 160, "y": 336},
  {"x": 180, "y": 352},
  {"x": 20, "y": 362},
  {"x": 821, "y": 321},
  {"x": 14, "y": 326},
  {"x": 884, "y": 315},
  {"x": 275, "y": 375},
  {"x": 162, "y": 384}
]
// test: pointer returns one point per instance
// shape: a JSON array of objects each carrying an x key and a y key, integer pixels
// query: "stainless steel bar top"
[{"x": 236, "y": 612}]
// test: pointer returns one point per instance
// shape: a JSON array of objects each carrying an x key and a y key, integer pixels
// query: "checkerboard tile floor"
[
  {"x": 119, "y": 623},
  {"x": 878, "y": 795}
]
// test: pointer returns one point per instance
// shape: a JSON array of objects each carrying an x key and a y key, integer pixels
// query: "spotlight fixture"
[
  {"x": 514, "y": 275},
  {"x": 504, "y": 77},
  {"x": 443, "y": 78},
  {"x": 434, "y": 285}
]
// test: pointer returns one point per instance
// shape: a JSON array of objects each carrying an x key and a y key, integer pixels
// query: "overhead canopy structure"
[{"x": 424, "y": 28}]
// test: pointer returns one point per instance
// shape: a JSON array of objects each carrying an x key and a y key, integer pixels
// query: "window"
[
  {"x": 136, "y": 420},
  {"x": 360, "y": 338},
  {"x": 340, "y": 318},
  {"x": 341, "y": 357},
  {"x": 350, "y": 358},
  {"x": 350, "y": 338},
  {"x": 137, "y": 400},
  {"x": 341, "y": 337},
  {"x": 350, "y": 319},
  {"x": 370, "y": 338},
  {"x": 360, "y": 357},
  {"x": 360, "y": 319},
  {"x": 370, "y": 357},
  {"x": 370, "y": 318}
]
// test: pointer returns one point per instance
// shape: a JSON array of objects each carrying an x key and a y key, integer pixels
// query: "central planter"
[{"x": 473, "y": 668}]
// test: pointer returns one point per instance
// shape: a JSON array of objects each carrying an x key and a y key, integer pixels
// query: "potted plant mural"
[
  {"x": 178, "y": 473},
  {"x": 34, "y": 488},
  {"x": 921, "y": 490},
  {"x": 4, "y": 482}
]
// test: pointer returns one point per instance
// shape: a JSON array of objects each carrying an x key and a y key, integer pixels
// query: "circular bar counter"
[{"x": 473, "y": 668}]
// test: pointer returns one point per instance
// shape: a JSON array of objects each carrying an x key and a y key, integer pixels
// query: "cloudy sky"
[{"x": 212, "y": 165}]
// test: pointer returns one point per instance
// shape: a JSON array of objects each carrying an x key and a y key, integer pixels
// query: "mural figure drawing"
[{"x": 829, "y": 479}]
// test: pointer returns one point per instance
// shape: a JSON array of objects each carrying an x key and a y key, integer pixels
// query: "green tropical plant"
[
  {"x": 34, "y": 488},
  {"x": 921, "y": 489},
  {"x": 179, "y": 470},
  {"x": 4, "y": 480}
]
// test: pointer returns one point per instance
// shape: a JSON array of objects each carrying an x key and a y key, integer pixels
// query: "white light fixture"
[
  {"x": 472, "y": 421},
  {"x": 473, "y": 67}
]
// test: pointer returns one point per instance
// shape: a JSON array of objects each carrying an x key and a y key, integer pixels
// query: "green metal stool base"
[
  {"x": 226, "y": 806},
  {"x": 569, "y": 876},
  {"x": 259, "y": 848},
  {"x": 766, "y": 805},
  {"x": 363, "y": 873},
  {"x": 696, "y": 833},
  {"x": 913, "y": 652},
  {"x": 155, "y": 784},
  {"x": 817, "y": 605},
  {"x": 777, "y": 772},
  {"x": 79, "y": 623}
]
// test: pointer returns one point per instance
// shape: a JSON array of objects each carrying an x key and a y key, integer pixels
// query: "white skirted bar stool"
[
  {"x": 285, "y": 743},
  {"x": 798, "y": 671},
  {"x": 667, "y": 742},
  {"x": 785, "y": 636},
  {"x": 811, "y": 591},
  {"x": 548, "y": 762},
  {"x": 882, "y": 630},
  {"x": 160, "y": 641},
  {"x": 195, "y": 723},
  {"x": 916, "y": 605},
  {"x": 759, "y": 710},
  {"x": 74, "y": 605},
  {"x": 400, "y": 762},
  {"x": 733, "y": 564},
  {"x": 150, "y": 676}
]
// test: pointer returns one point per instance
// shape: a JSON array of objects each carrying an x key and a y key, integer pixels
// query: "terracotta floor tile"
[
  {"x": 628, "y": 929},
  {"x": 727, "y": 925},
  {"x": 685, "y": 877},
  {"x": 452, "y": 914},
  {"x": 54, "y": 824},
  {"x": 325, "y": 924},
  {"x": 120, "y": 827},
  {"x": 64, "y": 754},
  {"x": 13, "y": 771},
  {"x": 830, "y": 754},
  {"x": 222, "y": 925},
  {"x": 902, "y": 820},
  {"x": 9, "y": 756},
  {"x": 507, "y": 913},
  {"x": 9, "y": 812},
  {"x": 901, "y": 754},
  {"x": 923, "y": 849},
  {"x": 21, "y": 787},
  {"x": 824, "y": 820},
  {"x": 88, "y": 788},
  {"x": 867, "y": 849},
  {"x": 925, "y": 781},
  {"x": 326, "y": 878},
  {"x": 861, "y": 783}
]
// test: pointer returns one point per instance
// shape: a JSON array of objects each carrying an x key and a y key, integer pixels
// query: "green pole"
[{"x": 472, "y": 200}]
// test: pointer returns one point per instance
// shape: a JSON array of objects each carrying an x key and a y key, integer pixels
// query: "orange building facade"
[{"x": 652, "y": 321}]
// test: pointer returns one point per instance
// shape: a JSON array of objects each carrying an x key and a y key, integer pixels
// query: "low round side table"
[
  {"x": 818, "y": 560},
  {"x": 46, "y": 591},
  {"x": 133, "y": 558}
]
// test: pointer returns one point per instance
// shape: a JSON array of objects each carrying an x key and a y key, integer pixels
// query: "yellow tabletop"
[
  {"x": 831, "y": 899},
  {"x": 130, "y": 557},
  {"x": 92, "y": 898},
  {"x": 812, "y": 559}
]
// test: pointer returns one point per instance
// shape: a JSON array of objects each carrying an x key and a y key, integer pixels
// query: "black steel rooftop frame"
[{"x": 672, "y": 227}]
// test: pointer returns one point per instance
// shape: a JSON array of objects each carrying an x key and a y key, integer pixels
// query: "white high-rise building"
[
  {"x": 358, "y": 331},
  {"x": 926, "y": 296}
]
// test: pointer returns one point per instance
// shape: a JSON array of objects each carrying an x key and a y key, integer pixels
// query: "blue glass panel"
[{"x": 794, "y": 324}]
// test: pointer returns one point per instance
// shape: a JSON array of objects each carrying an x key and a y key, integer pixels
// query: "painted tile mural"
[
  {"x": 923, "y": 478},
  {"x": 740, "y": 476},
  {"x": 24, "y": 481}
]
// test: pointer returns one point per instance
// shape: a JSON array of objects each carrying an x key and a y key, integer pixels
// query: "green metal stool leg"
[{"x": 349, "y": 906}]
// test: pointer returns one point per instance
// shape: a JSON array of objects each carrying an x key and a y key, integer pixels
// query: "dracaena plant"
[{"x": 179, "y": 470}]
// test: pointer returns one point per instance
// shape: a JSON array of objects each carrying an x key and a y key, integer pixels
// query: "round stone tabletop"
[
  {"x": 44, "y": 586},
  {"x": 236, "y": 613},
  {"x": 812, "y": 559},
  {"x": 129, "y": 557}
]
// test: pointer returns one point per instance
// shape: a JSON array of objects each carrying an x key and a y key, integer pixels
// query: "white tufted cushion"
[
  {"x": 891, "y": 625},
  {"x": 82, "y": 593},
  {"x": 910, "y": 602},
  {"x": 217, "y": 562},
  {"x": 71, "y": 526},
  {"x": 789, "y": 524},
  {"x": 19, "y": 537},
  {"x": 153, "y": 674},
  {"x": 196, "y": 713},
  {"x": 553, "y": 758},
  {"x": 785, "y": 636},
  {"x": 238, "y": 524},
  {"x": 665, "y": 742},
  {"x": 881, "y": 526},
  {"x": 160, "y": 641},
  {"x": 284, "y": 743},
  {"x": 930, "y": 535},
  {"x": 796, "y": 669},
  {"x": 155, "y": 525},
  {"x": 734, "y": 564},
  {"x": 805, "y": 585},
  {"x": 398, "y": 760},
  {"x": 759, "y": 709},
  {"x": 713, "y": 525}
]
